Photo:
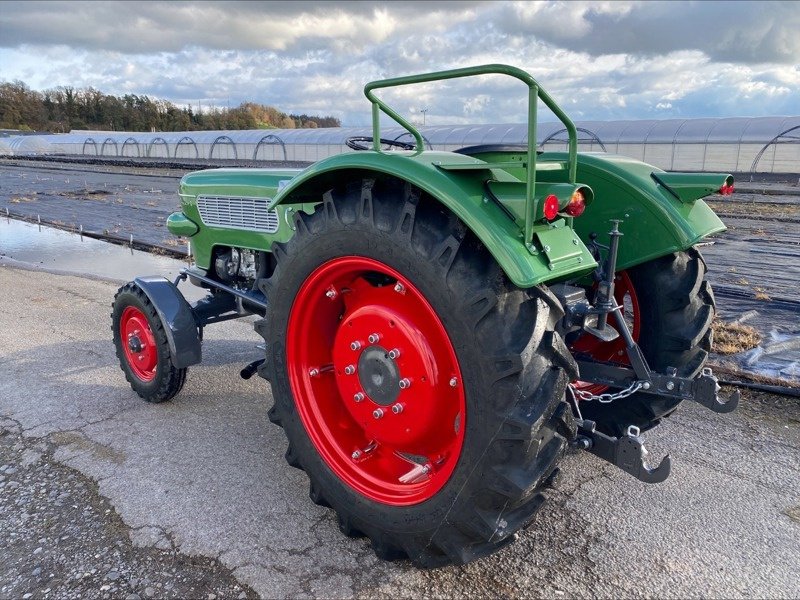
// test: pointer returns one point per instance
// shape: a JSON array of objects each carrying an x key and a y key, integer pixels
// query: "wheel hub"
[
  {"x": 135, "y": 344},
  {"x": 379, "y": 375}
]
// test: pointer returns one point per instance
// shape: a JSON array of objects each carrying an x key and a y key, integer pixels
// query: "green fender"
[
  {"x": 661, "y": 212},
  {"x": 463, "y": 191}
]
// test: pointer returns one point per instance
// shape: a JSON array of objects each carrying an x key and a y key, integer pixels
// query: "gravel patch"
[{"x": 61, "y": 539}]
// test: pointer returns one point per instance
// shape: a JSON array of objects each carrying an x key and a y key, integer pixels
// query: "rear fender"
[
  {"x": 177, "y": 317},
  {"x": 661, "y": 212},
  {"x": 464, "y": 192}
]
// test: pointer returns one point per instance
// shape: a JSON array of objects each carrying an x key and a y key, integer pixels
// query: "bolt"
[
  {"x": 349, "y": 370},
  {"x": 377, "y": 413},
  {"x": 574, "y": 242},
  {"x": 405, "y": 383},
  {"x": 394, "y": 354},
  {"x": 646, "y": 385},
  {"x": 374, "y": 338},
  {"x": 670, "y": 386},
  {"x": 399, "y": 288},
  {"x": 331, "y": 293},
  {"x": 313, "y": 372},
  {"x": 397, "y": 408},
  {"x": 358, "y": 396},
  {"x": 453, "y": 382},
  {"x": 355, "y": 345},
  {"x": 547, "y": 248},
  {"x": 356, "y": 455}
]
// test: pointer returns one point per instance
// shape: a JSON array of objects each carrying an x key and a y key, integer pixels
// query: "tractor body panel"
[
  {"x": 230, "y": 207},
  {"x": 663, "y": 211},
  {"x": 458, "y": 182},
  {"x": 655, "y": 221}
]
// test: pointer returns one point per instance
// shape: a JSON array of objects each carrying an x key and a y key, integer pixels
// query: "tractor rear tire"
[
  {"x": 142, "y": 346},
  {"x": 676, "y": 307},
  {"x": 485, "y": 420}
]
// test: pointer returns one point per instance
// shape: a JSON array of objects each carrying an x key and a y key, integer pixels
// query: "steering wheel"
[{"x": 358, "y": 143}]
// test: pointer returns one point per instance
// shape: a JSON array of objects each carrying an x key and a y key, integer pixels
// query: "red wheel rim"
[
  {"x": 139, "y": 343},
  {"x": 614, "y": 351},
  {"x": 361, "y": 338}
]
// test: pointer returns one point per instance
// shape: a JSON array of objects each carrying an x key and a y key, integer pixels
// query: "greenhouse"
[{"x": 757, "y": 145}]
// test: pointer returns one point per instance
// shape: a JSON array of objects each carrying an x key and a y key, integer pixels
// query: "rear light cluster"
[
  {"x": 574, "y": 208},
  {"x": 726, "y": 190}
]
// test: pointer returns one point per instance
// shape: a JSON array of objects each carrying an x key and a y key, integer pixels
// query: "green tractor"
[{"x": 441, "y": 327}]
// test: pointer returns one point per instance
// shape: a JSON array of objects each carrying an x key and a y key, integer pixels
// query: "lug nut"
[
  {"x": 374, "y": 338},
  {"x": 331, "y": 293},
  {"x": 358, "y": 397},
  {"x": 453, "y": 382},
  {"x": 399, "y": 288},
  {"x": 394, "y": 354},
  {"x": 313, "y": 372},
  {"x": 405, "y": 383},
  {"x": 349, "y": 370},
  {"x": 377, "y": 413},
  {"x": 356, "y": 455},
  {"x": 397, "y": 408},
  {"x": 355, "y": 345}
]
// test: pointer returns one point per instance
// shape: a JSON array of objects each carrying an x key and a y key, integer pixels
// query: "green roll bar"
[{"x": 535, "y": 92}]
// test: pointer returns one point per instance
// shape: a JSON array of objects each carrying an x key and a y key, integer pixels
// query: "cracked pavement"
[{"x": 204, "y": 476}]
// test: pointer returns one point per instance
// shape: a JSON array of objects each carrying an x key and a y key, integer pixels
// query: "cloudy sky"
[{"x": 600, "y": 60}]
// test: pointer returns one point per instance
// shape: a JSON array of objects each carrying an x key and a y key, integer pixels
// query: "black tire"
[
  {"x": 514, "y": 365},
  {"x": 167, "y": 381},
  {"x": 677, "y": 307}
]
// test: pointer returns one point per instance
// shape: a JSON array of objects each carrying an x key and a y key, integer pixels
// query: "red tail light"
[
  {"x": 726, "y": 190},
  {"x": 576, "y": 205},
  {"x": 551, "y": 207}
]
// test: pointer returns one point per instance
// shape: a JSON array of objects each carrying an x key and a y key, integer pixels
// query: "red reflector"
[
  {"x": 577, "y": 204},
  {"x": 550, "y": 207},
  {"x": 726, "y": 190}
]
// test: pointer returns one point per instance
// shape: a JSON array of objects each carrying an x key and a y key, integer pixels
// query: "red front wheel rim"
[
  {"x": 139, "y": 343},
  {"x": 375, "y": 380},
  {"x": 614, "y": 351}
]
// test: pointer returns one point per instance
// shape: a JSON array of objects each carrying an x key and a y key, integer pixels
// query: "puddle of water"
[{"x": 52, "y": 249}]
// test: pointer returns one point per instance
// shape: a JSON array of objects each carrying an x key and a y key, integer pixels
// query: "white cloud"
[{"x": 602, "y": 60}]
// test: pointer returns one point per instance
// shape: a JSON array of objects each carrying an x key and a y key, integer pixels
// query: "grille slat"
[{"x": 234, "y": 212}]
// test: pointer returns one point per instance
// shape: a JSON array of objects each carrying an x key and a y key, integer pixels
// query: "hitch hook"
[
  {"x": 628, "y": 452},
  {"x": 706, "y": 393}
]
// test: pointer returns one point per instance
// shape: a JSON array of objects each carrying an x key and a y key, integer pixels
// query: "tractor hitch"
[
  {"x": 703, "y": 389},
  {"x": 638, "y": 377},
  {"x": 627, "y": 452}
]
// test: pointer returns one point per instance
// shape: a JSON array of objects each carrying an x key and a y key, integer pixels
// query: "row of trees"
[{"x": 65, "y": 108}]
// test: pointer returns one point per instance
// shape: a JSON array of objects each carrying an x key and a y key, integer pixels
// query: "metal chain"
[{"x": 606, "y": 398}]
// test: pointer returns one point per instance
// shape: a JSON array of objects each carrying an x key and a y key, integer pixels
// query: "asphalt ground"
[{"x": 203, "y": 478}]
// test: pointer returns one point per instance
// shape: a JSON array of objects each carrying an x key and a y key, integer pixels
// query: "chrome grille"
[{"x": 232, "y": 212}]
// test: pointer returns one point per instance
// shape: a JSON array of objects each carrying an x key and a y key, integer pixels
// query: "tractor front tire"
[
  {"x": 142, "y": 346},
  {"x": 420, "y": 391},
  {"x": 676, "y": 307}
]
